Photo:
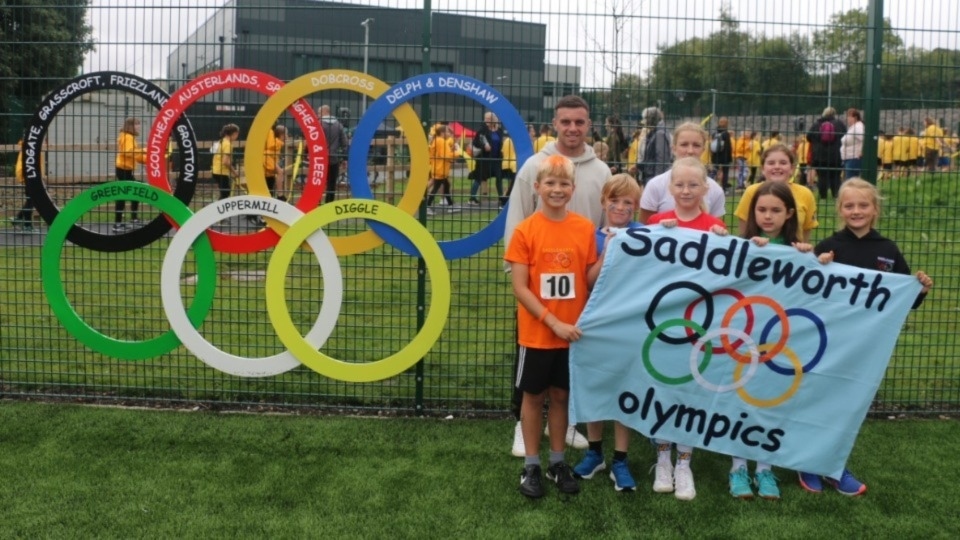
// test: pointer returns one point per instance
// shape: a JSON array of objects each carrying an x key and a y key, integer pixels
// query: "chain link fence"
[{"x": 766, "y": 68}]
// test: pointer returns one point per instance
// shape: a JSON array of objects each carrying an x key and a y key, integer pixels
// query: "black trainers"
[
  {"x": 561, "y": 474},
  {"x": 531, "y": 483}
]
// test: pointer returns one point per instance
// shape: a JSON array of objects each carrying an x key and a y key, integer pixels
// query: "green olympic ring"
[
  {"x": 57, "y": 297},
  {"x": 652, "y": 336}
]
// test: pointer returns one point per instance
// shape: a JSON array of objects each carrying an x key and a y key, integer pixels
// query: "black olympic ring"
[
  {"x": 53, "y": 103},
  {"x": 707, "y": 302}
]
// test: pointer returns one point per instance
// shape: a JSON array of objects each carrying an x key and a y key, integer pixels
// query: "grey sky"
[{"x": 136, "y": 36}]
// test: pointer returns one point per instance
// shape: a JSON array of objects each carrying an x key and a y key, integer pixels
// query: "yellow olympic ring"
[
  {"x": 305, "y": 352},
  {"x": 772, "y": 402},
  {"x": 338, "y": 79}
]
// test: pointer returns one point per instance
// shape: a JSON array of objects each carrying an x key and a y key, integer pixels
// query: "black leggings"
[
  {"x": 333, "y": 177},
  {"x": 437, "y": 184},
  {"x": 118, "y": 207},
  {"x": 223, "y": 182},
  {"x": 828, "y": 178}
]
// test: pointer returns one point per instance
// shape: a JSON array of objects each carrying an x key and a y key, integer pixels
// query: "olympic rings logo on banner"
[
  {"x": 288, "y": 226},
  {"x": 701, "y": 336}
]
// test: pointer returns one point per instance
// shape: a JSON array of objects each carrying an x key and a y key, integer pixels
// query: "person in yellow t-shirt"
[
  {"x": 913, "y": 151},
  {"x": 442, "y": 150},
  {"x": 637, "y": 141},
  {"x": 24, "y": 218},
  {"x": 753, "y": 157},
  {"x": 272, "y": 152},
  {"x": 899, "y": 153},
  {"x": 885, "y": 156},
  {"x": 741, "y": 153},
  {"x": 932, "y": 142},
  {"x": 223, "y": 169},
  {"x": 802, "y": 150},
  {"x": 544, "y": 138},
  {"x": 129, "y": 153}
]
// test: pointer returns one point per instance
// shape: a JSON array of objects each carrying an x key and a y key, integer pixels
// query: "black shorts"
[{"x": 540, "y": 369}]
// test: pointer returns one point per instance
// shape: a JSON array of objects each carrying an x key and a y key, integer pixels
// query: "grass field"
[
  {"x": 86, "y": 472},
  {"x": 468, "y": 369}
]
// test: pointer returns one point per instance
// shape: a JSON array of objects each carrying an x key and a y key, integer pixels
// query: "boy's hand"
[
  {"x": 925, "y": 280},
  {"x": 567, "y": 332},
  {"x": 825, "y": 258}
]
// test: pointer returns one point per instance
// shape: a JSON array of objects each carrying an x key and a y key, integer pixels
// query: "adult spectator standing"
[
  {"x": 488, "y": 154},
  {"x": 932, "y": 142},
  {"x": 656, "y": 158},
  {"x": 571, "y": 121},
  {"x": 337, "y": 147},
  {"x": 824, "y": 137},
  {"x": 721, "y": 154},
  {"x": 616, "y": 144},
  {"x": 851, "y": 145}
]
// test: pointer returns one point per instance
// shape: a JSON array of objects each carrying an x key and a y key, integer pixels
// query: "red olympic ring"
[
  {"x": 216, "y": 81},
  {"x": 688, "y": 314},
  {"x": 745, "y": 303}
]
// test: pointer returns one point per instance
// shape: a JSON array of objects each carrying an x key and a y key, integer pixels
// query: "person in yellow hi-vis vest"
[
  {"x": 129, "y": 153},
  {"x": 24, "y": 218}
]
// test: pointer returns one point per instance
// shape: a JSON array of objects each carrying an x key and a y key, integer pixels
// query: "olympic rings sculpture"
[
  {"x": 288, "y": 226},
  {"x": 701, "y": 336}
]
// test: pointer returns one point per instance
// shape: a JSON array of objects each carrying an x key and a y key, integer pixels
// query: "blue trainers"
[
  {"x": 767, "y": 487},
  {"x": 740, "y": 484},
  {"x": 848, "y": 485},
  {"x": 620, "y": 474},
  {"x": 591, "y": 464},
  {"x": 811, "y": 482}
]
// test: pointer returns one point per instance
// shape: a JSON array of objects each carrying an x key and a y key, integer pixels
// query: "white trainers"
[
  {"x": 663, "y": 479},
  {"x": 683, "y": 484},
  {"x": 519, "y": 449},
  {"x": 574, "y": 437}
]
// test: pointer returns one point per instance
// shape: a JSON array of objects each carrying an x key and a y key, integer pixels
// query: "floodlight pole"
[{"x": 366, "y": 55}]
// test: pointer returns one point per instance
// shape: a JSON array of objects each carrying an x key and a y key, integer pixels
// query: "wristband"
[{"x": 543, "y": 315}]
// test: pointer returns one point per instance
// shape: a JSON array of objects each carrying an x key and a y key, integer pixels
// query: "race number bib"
[{"x": 557, "y": 286}]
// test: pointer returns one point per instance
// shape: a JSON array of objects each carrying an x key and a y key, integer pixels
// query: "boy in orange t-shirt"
[{"x": 553, "y": 258}]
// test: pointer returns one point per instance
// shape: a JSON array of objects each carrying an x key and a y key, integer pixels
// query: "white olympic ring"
[{"x": 173, "y": 299}]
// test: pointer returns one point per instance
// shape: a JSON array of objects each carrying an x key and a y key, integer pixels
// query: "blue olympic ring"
[
  {"x": 408, "y": 89},
  {"x": 816, "y": 357}
]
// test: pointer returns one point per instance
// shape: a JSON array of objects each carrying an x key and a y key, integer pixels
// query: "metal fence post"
[
  {"x": 421, "y": 266},
  {"x": 871, "y": 113}
]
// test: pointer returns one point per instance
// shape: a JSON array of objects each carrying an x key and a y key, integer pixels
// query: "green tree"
[
  {"x": 750, "y": 74},
  {"x": 42, "y": 44},
  {"x": 843, "y": 45}
]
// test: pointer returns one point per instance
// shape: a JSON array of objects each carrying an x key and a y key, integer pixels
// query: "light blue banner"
[{"x": 757, "y": 352}]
